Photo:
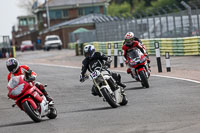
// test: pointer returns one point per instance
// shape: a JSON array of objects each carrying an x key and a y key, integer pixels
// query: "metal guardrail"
[{"x": 175, "y": 46}]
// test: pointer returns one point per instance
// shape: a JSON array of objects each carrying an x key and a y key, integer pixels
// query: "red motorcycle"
[
  {"x": 139, "y": 67},
  {"x": 30, "y": 99}
]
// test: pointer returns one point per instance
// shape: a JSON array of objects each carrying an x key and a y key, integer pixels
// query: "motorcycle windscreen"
[
  {"x": 95, "y": 65},
  {"x": 132, "y": 54},
  {"x": 14, "y": 81},
  {"x": 16, "y": 86}
]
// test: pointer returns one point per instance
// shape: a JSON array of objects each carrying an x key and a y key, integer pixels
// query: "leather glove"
[
  {"x": 109, "y": 60},
  {"x": 28, "y": 74},
  {"x": 30, "y": 79}
]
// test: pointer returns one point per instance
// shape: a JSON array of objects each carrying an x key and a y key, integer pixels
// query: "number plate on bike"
[{"x": 94, "y": 75}]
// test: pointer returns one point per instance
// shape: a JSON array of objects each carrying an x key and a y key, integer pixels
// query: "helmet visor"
[
  {"x": 11, "y": 68},
  {"x": 129, "y": 40},
  {"x": 87, "y": 54}
]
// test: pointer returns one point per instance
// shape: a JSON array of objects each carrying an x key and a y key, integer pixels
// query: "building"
[
  {"x": 63, "y": 10},
  {"x": 24, "y": 30},
  {"x": 65, "y": 16},
  {"x": 65, "y": 28}
]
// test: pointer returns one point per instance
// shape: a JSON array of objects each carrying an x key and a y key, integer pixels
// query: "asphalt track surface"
[{"x": 168, "y": 106}]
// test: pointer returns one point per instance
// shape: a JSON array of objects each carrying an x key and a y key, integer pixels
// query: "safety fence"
[
  {"x": 175, "y": 46},
  {"x": 7, "y": 52}
]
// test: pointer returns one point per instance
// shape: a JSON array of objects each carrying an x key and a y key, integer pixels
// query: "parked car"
[
  {"x": 52, "y": 41},
  {"x": 26, "y": 45}
]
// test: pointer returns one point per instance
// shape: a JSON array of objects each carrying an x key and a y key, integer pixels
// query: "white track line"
[{"x": 73, "y": 67}]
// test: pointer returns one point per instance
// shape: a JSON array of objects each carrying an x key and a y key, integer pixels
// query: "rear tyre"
[
  {"x": 33, "y": 114},
  {"x": 110, "y": 98},
  {"x": 124, "y": 101},
  {"x": 144, "y": 80},
  {"x": 53, "y": 113}
]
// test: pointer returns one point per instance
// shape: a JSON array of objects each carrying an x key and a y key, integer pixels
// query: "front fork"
[
  {"x": 117, "y": 92},
  {"x": 105, "y": 85}
]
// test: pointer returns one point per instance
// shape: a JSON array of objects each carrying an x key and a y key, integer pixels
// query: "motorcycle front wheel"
[
  {"x": 33, "y": 114},
  {"x": 110, "y": 98},
  {"x": 144, "y": 80}
]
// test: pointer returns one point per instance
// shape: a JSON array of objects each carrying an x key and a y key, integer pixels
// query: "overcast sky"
[{"x": 9, "y": 11}]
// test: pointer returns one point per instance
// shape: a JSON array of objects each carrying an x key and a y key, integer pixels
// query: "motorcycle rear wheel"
[
  {"x": 53, "y": 113},
  {"x": 124, "y": 101},
  {"x": 109, "y": 98},
  {"x": 33, "y": 114},
  {"x": 144, "y": 79}
]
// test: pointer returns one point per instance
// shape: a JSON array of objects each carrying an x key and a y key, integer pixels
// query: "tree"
[
  {"x": 27, "y": 5},
  {"x": 119, "y": 10}
]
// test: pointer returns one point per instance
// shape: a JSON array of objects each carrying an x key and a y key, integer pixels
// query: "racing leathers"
[
  {"x": 30, "y": 76},
  {"x": 97, "y": 60}
]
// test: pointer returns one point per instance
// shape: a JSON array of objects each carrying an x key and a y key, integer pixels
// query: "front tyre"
[
  {"x": 144, "y": 80},
  {"x": 33, "y": 114},
  {"x": 110, "y": 98}
]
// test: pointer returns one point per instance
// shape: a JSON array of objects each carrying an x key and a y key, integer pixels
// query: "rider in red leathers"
[
  {"x": 15, "y": 69},
  {"x": 131, "y": 42}
]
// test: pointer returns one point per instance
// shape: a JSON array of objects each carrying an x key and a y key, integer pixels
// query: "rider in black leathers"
[{"x": 94, "y": 59}]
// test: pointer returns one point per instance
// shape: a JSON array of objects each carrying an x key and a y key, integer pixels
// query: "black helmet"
[{"x": 12, "y": 65}]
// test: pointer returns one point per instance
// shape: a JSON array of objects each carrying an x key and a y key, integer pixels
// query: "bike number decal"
[{"x": 94, "y": 75}]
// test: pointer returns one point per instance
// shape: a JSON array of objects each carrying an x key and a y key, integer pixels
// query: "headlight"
[
  {"x": 132, "y": 63},
  {"x": 143, "y": 60}
]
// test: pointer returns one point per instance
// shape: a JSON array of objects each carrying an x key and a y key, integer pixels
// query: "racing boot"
[
  {"x": 121, "y": 84},
  {"x": 47, "y": 96},
  {"x": 42, "y": 89},
  {"x": 119, "y": 81}
]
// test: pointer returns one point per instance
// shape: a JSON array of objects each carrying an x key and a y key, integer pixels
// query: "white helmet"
[
  {"x": 129, "y": 37},
  {"x": 89, "y": 51}
]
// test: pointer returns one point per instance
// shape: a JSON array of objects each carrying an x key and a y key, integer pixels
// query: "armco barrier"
[{"x": 175, "y": 46}]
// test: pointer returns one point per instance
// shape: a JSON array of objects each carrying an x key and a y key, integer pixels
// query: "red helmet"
[{"x": 129, "y": 38}]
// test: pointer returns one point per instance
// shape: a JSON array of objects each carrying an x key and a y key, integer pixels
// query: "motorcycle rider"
[
  {"x": 15, "y": 70},
  {"x": 90, "y": 58},
  {"x": 130, "y": 42}
]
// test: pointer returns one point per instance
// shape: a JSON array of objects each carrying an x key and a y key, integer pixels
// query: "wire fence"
[
  {"x": 161, "y": 26},
  {"x": 160, "y": 23}
]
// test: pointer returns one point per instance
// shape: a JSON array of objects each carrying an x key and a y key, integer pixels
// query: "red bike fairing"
[
  {"x": 135, "y": 44},
  {"x": 22, "y": 90}
]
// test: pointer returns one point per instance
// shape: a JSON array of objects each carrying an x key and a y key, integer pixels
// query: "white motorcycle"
[{"x": 108, "y": 88}]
